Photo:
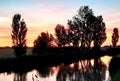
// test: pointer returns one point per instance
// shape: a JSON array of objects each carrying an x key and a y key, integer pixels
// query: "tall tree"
[
  {"x": 99, "y": 32},
  {"x": 18, "y": 35},
  {"x": 80, "y": 30},
  {"x": 61, "y": 34},
  {"x": 85, "y": 28},
  {"x": 115, "y": 36}
]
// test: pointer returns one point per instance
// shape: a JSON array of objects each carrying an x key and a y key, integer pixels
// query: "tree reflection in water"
[
  {"x": 20, "y": 77},
  {"x": 82, "y": 71},
  {"x": 85, "y": 70}
]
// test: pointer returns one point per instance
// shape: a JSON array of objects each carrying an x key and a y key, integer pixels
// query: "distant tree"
[
  {"x": 18, "y": 35},
  {"x": 43, "y": 40},
  {"x": 61, "y": 35},
  {"x": 115, "y": 36}
]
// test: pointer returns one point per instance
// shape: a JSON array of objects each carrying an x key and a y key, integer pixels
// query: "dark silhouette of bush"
[
  {"x": 44, "y": 40},
  {"x": 19, "y": 31},
  {"x": 19, "y": 50},
  {"x": 115, "y": 36}
]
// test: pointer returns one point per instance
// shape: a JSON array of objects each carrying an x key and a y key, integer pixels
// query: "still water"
[{"x": 84, "y": 70}]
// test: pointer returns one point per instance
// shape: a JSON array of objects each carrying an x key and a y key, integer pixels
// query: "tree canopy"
[
  {"x": 43, "y": 40},
  {"x": 62, "y": 37},
  {"x": 82, "y": 29}
]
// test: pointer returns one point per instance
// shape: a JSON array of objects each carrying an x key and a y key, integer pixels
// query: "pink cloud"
[
  {"x": 112, "y": 17},
  {"x": 112, "y": 21}
]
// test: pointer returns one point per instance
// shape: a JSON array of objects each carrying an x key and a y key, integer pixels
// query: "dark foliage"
[
  {"x": 19, "y": 50},
  {"x": 115, "y": 36},
  {"x": 79, "y": 31},
  {"x": 114, "y": 66},
  {"x": 85, "y": 28},
  {"x": 19, "y": 31},
  {"x": 99, "y": 33},
  {"x": 43, "y": 40},
  {"x": 62, "y": 37}
]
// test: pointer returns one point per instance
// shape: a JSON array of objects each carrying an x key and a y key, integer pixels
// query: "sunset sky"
[{"x": 44, "y": 15}]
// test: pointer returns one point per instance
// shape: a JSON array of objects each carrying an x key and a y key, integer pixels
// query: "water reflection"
[
  {"x": 82, "y": 71},
  {"x": 19, "y": 77},
  {"x": 85, "y": 70}
]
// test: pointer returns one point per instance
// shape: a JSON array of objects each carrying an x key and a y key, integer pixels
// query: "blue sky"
[
  {"x": 23, "y": 5},
  {"x": 100, "y": 7}
]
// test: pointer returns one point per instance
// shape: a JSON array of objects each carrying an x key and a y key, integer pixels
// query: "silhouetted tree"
[
  {"x": 99, "y": 32},
  {"x": 74, "y": 33},
  {"x": 85, "y": 28},
  {"x": 43, "y": 40},
  {"x": 81, "y": 29},
  {"x": 61, "y": 34},
  {"x": 19, "y": 31},
  {"x": 115, "y": 36}
]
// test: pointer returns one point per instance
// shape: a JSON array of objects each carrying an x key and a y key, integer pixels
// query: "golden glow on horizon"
[{"x": 5, "y": 38}]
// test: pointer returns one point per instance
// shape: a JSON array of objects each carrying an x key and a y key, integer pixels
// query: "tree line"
[{"x": 83, "y": 29}]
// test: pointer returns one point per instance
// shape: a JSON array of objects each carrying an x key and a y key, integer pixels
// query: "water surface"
[{"x": 84, "y": 70}]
